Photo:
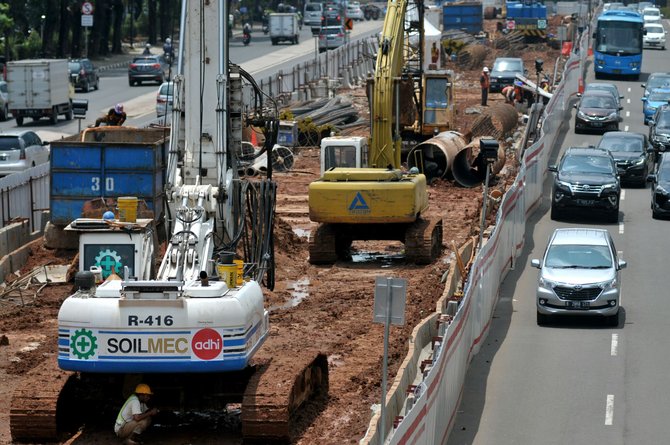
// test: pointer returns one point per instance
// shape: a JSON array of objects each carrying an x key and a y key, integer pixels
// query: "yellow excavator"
[{"x": 363, "y": 193}]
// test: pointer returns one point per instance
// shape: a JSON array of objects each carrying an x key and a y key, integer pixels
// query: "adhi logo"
[{"x": 207, "y": 344}]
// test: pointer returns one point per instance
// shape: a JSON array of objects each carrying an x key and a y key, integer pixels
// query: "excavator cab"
[
  {"x": 438, "y": 112},
  {"x": 343, "y": 152}
]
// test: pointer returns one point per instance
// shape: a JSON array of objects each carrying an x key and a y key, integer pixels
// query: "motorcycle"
[{"x": 246, "y": 38}]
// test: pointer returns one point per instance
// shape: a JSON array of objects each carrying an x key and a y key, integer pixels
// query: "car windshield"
[
  {"x": 587, "y": 164},
  {"x": 598, "y": 102},
  {"x": 508, "y": 65},
  {"x": 632, "y": 145},
  {"x": 73, "y": 66},
  {"x": 313, "y": 7},
  {"x": 166, "y": 90},
  {"x": 658, "y": 81},
  {"x": 659, "y": 96},
  {"x": 578, "y": 256},
  {"x": 655, "y": 29},
  {"x": 9, "y": 143},
  {"x": 145, "y": 60},
  {"x": 652, "y": 12},
  {"x": 663, "y": 122}
]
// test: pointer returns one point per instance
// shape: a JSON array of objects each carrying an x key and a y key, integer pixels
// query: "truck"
[
  {"x": 284, "y": 26},
  {"x": 528, "y": 17},
  {"x": 39, "y": 88}
]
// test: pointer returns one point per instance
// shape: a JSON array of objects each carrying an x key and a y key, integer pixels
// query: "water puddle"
[
  {"x": 299, "y": 291},
  {"x": 387, "y": 260}
]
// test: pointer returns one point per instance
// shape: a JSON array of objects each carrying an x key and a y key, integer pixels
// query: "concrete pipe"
[
  {"x": 504, "y": 117},
  {"x": 469, "y": 170},
  {"x": 282, "y": 160},
  {"x": 435, "y": 156}
]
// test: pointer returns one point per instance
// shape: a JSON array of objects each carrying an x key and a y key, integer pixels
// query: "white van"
[
  {"x": 652, "y": 15},
  {"x": 313, "y": 14}
]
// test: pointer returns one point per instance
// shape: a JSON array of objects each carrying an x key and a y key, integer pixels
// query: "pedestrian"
[
  {"x": 135, "y": 417},
  {"x": 434, "y": 53},
  {"x": 485, "y": 82}
]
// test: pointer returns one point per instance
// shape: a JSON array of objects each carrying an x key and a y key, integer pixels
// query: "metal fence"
[
  {"x": 25, "y": 195},
  {"x": 346, "y": 66}
]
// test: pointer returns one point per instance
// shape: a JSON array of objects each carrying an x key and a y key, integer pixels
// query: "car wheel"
[
  {"x": 54, "y": 116},
  {"x": 4, "y": 114},
  {"x": 97, "y": 84},
  {"x": 69, "y": 115},
  {"x": 19, "y": 121},
  {"x": 542, "y": 319},
  {"x": 655, "y": 214},
  {"x": 131, "y": 83},
  {"x": 87, "y": 86},
  {"x": 613, "y": 320}
]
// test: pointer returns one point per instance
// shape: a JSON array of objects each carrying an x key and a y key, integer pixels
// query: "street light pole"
[{"x": 43, "y": 17}]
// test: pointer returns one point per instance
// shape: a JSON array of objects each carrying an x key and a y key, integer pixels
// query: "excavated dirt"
[{"x": 313, "y": 308}]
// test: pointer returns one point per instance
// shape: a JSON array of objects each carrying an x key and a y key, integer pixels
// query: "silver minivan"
[
  {"x": 313, "y": 14},
  {"x": 579, "y": 275}
]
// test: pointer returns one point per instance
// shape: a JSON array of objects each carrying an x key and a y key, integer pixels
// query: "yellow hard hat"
[{"x": 143, "y": 388}]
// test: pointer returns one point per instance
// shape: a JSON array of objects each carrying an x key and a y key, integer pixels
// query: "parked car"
[
  {"x": 659, "y": 130},
  {"x": 597, "y": 110},
  {"x": 604, "y": 86},
  {"x": 652, "y": 15},
  {"x": 586, "y": 178},
  {"x": 654, "y": 36},
  {"x": 632, "y": 153},
  {"x": 660, "y": 188},
  {"x": 331, "y": 37},
  {"x": 83, "y": 75},
  {"x": 20, "y": 150},
  {"x": 656, "y": 80},
  {"x": 656, "y": 98},
  {"x": 504, "y": 72},
  {"x": 147, "y": 68},
  {"x": 313, "y": 14},
  {"x": 164, "y": 98},
  {"x": 4, "y": 101},
  {"x": 579, "y": 276},
  {"x": 354, "y": 12}
]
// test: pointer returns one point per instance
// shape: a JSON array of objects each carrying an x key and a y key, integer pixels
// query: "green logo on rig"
[{"x": 82, "y": 344}]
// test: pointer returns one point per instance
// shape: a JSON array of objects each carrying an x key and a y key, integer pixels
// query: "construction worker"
[
  {"x": 485, "y": 82},
  {"x": 115, "y": 117},
  {"x": 434, "y": 53},
  {"x": 512, "y": 93},
  {"x": 135, "y": 417}
]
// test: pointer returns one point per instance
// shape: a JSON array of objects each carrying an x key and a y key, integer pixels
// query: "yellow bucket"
[
  {"x": 240, "y": 271},
  {"x": 228, "y": 273},
  {"x": 127, "y": 206}
]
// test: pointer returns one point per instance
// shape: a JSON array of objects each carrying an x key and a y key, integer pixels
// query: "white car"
[
  {"x": 21, "y": 150},
  {"x": 164, "y": 99},
  {"x": 655, "y": 35},
  {"x": 354, "y": 12},
  {"x": 652, "y": 15}
]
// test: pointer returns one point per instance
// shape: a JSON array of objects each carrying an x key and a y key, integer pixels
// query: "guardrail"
[{"x": 25, "y": 195}]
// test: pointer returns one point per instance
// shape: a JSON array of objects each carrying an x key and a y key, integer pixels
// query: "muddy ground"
[{"x": 313, "y": 308}]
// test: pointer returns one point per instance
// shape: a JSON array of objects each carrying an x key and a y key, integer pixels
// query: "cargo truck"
[
  {"x": 284, "y": 27},
  {"x": 39, "y": 88}
]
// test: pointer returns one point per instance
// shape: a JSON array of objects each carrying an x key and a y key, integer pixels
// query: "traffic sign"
[
  {"x": 349, "y": 24},
  {"x": 541, "y": 24},
  {"x": 87, "y": 20},
  {"x": 87, "y": 8},
  {"x": 511, "y": 25}
]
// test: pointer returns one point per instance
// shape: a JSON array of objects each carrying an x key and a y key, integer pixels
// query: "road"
[
  {"x": 579, "y": 382},
  {"x": 260, "y": 58}
]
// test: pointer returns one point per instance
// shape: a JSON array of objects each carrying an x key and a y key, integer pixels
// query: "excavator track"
[
  {"x": 275, "y": 393},
  {"x": 32, "y": 415},
  {"x": 423, "y": 241},
  {"x": 323, "y": 245}
]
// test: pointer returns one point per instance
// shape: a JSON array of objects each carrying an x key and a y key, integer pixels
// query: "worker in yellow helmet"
[{"x": 135, "y": 417}]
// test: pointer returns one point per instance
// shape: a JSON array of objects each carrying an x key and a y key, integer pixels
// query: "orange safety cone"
[
  {"x": 590, "y": 51},
  {"x": 581, "y": 85}
]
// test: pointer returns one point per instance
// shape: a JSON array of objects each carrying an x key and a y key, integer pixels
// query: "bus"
[{"x": 617, "y": 46}]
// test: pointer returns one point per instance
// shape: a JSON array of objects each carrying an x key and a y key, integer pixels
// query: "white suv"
[
  {"x": 655, "y": 35},
  {"x": 579, "y": 275}
]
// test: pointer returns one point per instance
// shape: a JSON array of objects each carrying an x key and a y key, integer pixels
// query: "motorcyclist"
[
  {"x": 147, "y": 50},
  {"x": 246, "y": 30},
  {"x": 168, "y": 49},
  {"x": 114, "y": 117}
]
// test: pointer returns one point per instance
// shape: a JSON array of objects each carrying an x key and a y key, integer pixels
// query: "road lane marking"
[
  {"x": 627, "y": 113},
  {"x": 609, "y": 409},
  {"x": 629, "y": 89},
  {"x": 627, "y": 100},
  {"x": 625, "y": 128},
  {"x": 621, "y": 228},
  {"x": 615, "y": 345},
  {"x": 623, "y": 195}
]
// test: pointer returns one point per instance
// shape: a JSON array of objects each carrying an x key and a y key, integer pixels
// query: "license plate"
[
  {"x": 597, "y": 124},
  {"x": 585, "y": 202},
  {"x": 578, "y": 304},
  {"x": 616, "y": 71}
]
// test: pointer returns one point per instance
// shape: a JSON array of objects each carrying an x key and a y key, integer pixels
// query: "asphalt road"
[
  {"x": 260, "y": 58},
  {"x": 579, "y": 382}
]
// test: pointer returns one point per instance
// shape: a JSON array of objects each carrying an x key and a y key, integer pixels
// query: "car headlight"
[
  {"x": 607, "y": 285},
  {"x": 634, "y": 64},
  {"x": 600, "y": 61},
  {"x": 638, "y": 161},
  {"x": 662, "y": 190},
  {"x": 563, "y": 185},
  {"x": 613, "y": 116},
  {"x": 582, "y": 115},
  {"x": 609, "y": 186},
  {"x": 546, "y": 284}
]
